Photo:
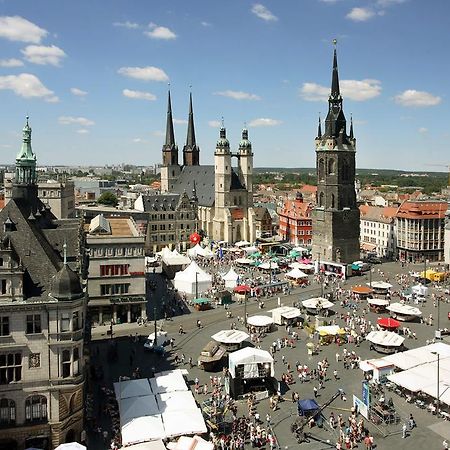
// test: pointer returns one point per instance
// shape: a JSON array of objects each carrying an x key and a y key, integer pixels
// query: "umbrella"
[
  {"x": 71, "y": 446},
  {"x": 243, "y": 289},
  {"x": 255, "y": 255},
  {"x": 201, "y": 301},
  {"x": 387, "y": 322}
]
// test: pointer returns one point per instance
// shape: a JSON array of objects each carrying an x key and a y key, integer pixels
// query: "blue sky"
[{"x": 93, "y": 76}]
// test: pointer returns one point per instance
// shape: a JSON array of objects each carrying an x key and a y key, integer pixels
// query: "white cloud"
[
  {"x": 16, "y": 28},
  {"x": 82, "y": 131},
  {"x": 27, "y": 85},
  {"x": 180, "y": 121},
  {"x": 158, "y": 32},
  {"x": 264, "y": 122},
  {"x": 148, "y": 73},
  {"x": 12, "y": 62},
  {"x": 205, "y": 24},
  {"x": 263, "y": 13},
  {"x": 360, "y": 14},
  {"x": 423, "y": 130},
  {"x": 40, "y": 54},
  {"x": 69, "y": 120},
  {"x": 140, "y": 141},
  {"x": 214, "y": 123},
  {"x": 357, "y": 90},
  {"x": 238, "y": 95},
  {"x": 411, "y": 97},
  {"x": 138, "y": 95},
  {"x": 127, "y": 24},
  {"x": 78, "y": 92}
]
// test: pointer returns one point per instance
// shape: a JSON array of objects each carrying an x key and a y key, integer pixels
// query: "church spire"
[
  {"x": 335, "y": 92},
  {"x": 26, "y": 159},
  {"x": 319, "y": 129},
  {"x": 351, "y": 127},
  {"x": 170, "y": 149},
  {"x": 191, "y": 153}
]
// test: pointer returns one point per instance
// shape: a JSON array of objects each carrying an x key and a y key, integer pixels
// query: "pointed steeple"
[
  {"x": 170, "y": 149},
  {"x": 335, "y": 92},
  {"x": 223, "y": 143},
  {"x": 351, "y": 127},
  {"x": 191, "y": 153},
  {"x": 26, "y": 159},
  {"x": 319, "y": 129}
]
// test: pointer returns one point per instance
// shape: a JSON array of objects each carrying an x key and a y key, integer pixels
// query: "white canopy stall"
[
  {"x": 420, "y": 289},
  {"x": 403, "y": 312},
  {"x": 253, "y": 361},
  {"x": 231, "y": 278},
  {"x": 142, "y": 429},
  {"x": 180, "y": 422},
  {"x": 285, "y": 314},
  {"x": 296, "y": 274},
  {"x": 132, "y": 388},
  {"x": 186, "y": 280},
  {"x": 385, "y": 341},
  {"x": 314, "y": 305},
  {"x": 260, "y": 321},
  {"x": 271, "y": 265},
  {"x": 230, "y": 339}
]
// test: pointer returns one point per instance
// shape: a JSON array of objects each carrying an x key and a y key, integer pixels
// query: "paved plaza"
[{"x": 428, "y": 434}]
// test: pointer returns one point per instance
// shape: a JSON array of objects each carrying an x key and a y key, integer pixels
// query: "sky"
[{"x": 93, "y": 76}]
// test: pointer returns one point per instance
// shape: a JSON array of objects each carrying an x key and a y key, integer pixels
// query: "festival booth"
[
  {"x": 250, "y": 250},
  {"x": 385, "y": 341},
  {"x": 403, "y": 312},
  {"x": 201, "y": 303},
  {"x": 307, "y": 408},
  {"x": 380, "y": 287},
  {"x": 420, "y": 290},
  {"x": 211, "y": 356},
  {"x": 297, "y": 276},
  {"x": 241, "y": 292},
  {"x": 376, "y": 369},
  {"x": 260, "y": 323},
  {"x": 378, "y": 305},
  {"x": 244, "y": 261},
  {"x": 285, "y": 315},
  {"x": 331, "y": 333},
  {"x": 232, "y": 340},
  {"x": 307, "y": 268},
  {"x": 173, "y": 262},
  {"x": 388, "y": 323},
  {"x": 270, "y": 265},
  {"x": 198, "y": 250},
  {"x": 242, "y": 244},
  {"x": 362, "y": 291},
  {"x": 223, "y": 297},
  {"x": 251, "y": 370},
  {"x": 317, "y": 305},
  {"x": 231, "y": 279},
  {"x": 192, "y": 279}
]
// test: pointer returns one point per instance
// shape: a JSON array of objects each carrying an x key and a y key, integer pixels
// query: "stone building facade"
[
  {"x": 336, "y": 216},
  {"x": 42, "y": 318}
]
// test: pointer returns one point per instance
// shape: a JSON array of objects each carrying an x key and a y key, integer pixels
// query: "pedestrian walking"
[
  {"x": 316, "y": 392},
  {"x": 404, "y": 430}
]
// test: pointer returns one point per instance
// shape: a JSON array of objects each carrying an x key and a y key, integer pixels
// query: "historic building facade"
[
  {"x": 295, "y": 221},
  {"x": 42, "y": 317},
  {"x": 336, "y": 216},
  {"x": 224, "y": 194}
]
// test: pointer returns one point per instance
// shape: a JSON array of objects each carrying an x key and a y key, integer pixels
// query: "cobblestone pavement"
[{"x": 428, "y": 435}]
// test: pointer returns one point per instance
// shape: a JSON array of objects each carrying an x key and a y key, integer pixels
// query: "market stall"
[
  {"x": 331, "y": 333},
  {"x": 385, "y": 341},
  {"x": 388, "y": 323},
  {"x": 192, "y": 280},
  {"x": 211, "y": 356},
  {"x": 376, "y": 369},
  {"x": 202, "y": 303},
  {"x": 378, "y": 305},
  {"x": 285, "y": 315},
  {"x": 261, "y": 323},
  {"x": 380, "y": 287},
  {"x": 404, "y": 312},
  {"x": 231, "y": 278},
  {"x": 317, "y": 305},
  {"x": 232, "y": 340},
  {"x": 362, "y": 291},
  {"x": 297, "y": 276}
]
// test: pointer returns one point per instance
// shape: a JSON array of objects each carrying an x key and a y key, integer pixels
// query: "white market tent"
[
  {"x": 245, "y": 261},
  {"x": 173, "y": 258},
  {"x": 175, "y": 401},
  {"x": 402, "y": 311},
  {"x": 271, "y": 265},
  {"x": 420, "y": 289},
  {"x": 158, "y": 444},
  {"x": 198, "y": 250},
  {"x": 230, "y": 336},
  {"x": 132, "y": 388},
  {"x": 378, "y": 301},
  {"x": 329, "y": 329},
  {"x": 231, "y": 278},
  {"x": 250, "y": 357},
  {"x": 381, "y": 285},
  {"x": 169, "y": 381},
  {"x": 141, "y": 429},
  {"x": 301, "y": 249},
  {"x": 260, "y": 321},
  {"x": 301, "y": 266},
  {"x": 242, "y": 244},
  {"x": 283, "y": 313},
  {"x": 385, "y": 338},
  {"x": 317, "y": 303},
  {"x": 250, "y": 250},
  {"x": 133, "y": 407},
  {"x": 186, "y": 280},
  {"x": 178, "y": 423},
  {"x": 296, "y": 273}
]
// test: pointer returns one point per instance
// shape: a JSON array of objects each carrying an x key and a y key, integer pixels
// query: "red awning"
[
  {"x": 243, "y": 289},
  {"x": 388, "y": 323}
]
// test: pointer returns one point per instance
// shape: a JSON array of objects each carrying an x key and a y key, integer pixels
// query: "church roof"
[
  {"x": 204, "y": 177},
  {"x": 162, "y": 202}
]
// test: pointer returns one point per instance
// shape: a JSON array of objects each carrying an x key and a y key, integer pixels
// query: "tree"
[{"x": 108, "y": 199}]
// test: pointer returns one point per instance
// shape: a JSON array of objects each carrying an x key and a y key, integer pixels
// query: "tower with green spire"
[{"x": 24, "y": 186}]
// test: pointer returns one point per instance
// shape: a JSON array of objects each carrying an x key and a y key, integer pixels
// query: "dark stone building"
[{"x": 336, "y": 216}]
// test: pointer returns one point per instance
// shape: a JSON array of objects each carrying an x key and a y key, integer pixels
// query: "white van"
[{"x": 161, "y": 341}]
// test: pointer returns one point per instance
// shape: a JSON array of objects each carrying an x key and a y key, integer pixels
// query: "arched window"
[
  {"x": 36, "y": 408},
  {"x": 332, "y": 200},
  {"x": 7, "y": 411},
  {"x": 321, "y": 169},
  {"x": 321, "y": 196},
  {"x": 331, "y": 166},
  {"x": 76, "y": 361},
  {"x": 66, "y": 363}
]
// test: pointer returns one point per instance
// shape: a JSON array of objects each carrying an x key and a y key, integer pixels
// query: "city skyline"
[{"x": 94, "y": 80}]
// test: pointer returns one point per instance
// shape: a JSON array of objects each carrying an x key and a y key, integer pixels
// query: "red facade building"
[{"x": 295, "y": 222}]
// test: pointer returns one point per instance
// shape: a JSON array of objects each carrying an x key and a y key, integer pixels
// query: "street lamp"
[
  {"x": 196, "y": 284},
  {"x": 437, "y": 394}
]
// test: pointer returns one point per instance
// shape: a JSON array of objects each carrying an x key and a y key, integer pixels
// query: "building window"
[
  {"x": 3, "y": 287},
  {"x": 65, "y": 321},
  {"x": 34, "y": 324},
  {"x": 76, "y": 361},
  {"x": 75, "y": 321},
  {"x": 10, "y": 367},
  {"x": 36, "y": 408},
  {"x": 34, "y": 360},
  {"x": 7, "y": 411},
  {"x": 4, "y": 326},
  {"x": 66, "y": 363}
]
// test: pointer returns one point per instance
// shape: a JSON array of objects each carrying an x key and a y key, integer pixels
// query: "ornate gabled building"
[
  {"x": 42, "y": 315},
  {"x": 336, "y": 216},
  {"x": 224, "y": 193}
]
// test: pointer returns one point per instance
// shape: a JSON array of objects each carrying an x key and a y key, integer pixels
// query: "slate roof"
[
  {"x": 160, "y": 202},
  {"x": 204, "y": 177},
  {"x": 38, "y": 244}
]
